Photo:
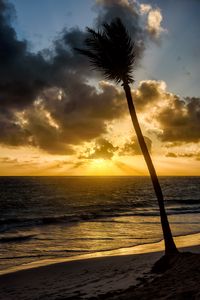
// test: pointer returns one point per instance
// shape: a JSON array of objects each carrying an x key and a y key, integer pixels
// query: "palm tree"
[{"x": 112, "y": 51}]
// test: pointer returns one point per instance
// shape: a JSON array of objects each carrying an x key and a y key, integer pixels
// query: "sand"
[{"x": 119, "y": 274}]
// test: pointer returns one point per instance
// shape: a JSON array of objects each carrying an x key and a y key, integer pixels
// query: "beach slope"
[{"x": 122, "y": 274}]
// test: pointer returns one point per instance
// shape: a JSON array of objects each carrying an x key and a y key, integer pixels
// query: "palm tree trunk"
[{"x": 170, "y": 247}]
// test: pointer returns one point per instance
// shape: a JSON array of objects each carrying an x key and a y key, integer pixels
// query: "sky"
[{"x": 59, "y": 117}]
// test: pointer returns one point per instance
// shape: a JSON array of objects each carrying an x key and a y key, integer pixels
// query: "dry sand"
[{"x": 119, "y": 274}]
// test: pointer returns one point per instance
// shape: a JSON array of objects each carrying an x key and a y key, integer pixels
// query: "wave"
[
  {"x": 7, "y": 224},
  {"x": 25, "y": 256},
  {"x": 181, "y": 201},
  {"x": 50, "y": 255},
  {"x": 16, "y": 238}
]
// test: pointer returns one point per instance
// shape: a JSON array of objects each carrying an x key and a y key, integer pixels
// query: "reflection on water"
[{"x": 59, "y": 217}]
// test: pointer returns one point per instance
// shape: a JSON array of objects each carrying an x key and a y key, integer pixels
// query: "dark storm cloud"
[
  {"x": 22, "y": 74},
  {"x": 141, "y": 25},
  {"x": 128, "y": 12},
  {"x": 11, "y": 132},
  {"x": 148, "y": 93},
  {"x": 133, "y": 148},
  {"x": 79, "y": 115},
  {"x": 30, "y": 110},
  {"x": 180, "y": 121},
  {"x": 24, "y": 77}
]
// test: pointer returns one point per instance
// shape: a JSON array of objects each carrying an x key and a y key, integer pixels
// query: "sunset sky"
[{"x": 58, "y": 117}]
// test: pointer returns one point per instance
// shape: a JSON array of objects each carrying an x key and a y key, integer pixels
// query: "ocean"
[{"x": 55, "y": 217}]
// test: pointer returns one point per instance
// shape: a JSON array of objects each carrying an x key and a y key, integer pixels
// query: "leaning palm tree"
[{"x": 112, "y": 51}]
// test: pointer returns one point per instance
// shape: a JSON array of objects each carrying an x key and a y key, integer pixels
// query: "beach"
[{"x": 119, "y": 274}]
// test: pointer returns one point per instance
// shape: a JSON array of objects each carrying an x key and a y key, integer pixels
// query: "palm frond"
[{"x": 111, "y": 50}]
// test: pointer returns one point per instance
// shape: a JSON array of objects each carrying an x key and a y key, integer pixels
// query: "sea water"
[{"x": 55, "y": 217}]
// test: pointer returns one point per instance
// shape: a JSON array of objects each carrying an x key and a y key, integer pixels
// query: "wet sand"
[{"x": 120, "y": 274}]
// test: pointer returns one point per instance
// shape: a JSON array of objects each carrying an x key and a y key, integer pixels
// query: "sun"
[{"x": 102, "y": 167}]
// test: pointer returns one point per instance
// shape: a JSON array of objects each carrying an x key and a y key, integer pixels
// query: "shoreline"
[
  {"x": 114, "y": 274},
  {"x": 182, "y": 241}
]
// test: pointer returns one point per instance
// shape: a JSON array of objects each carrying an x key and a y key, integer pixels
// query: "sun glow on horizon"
[
  {"x": 101, "y": 167},
  {"x": 32, "y": 162}
]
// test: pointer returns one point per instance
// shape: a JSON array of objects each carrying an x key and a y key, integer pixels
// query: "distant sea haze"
[{"x": 54, "y": 217}]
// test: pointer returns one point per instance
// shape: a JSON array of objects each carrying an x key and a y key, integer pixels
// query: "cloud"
[
  {"x": 8, "y": 160},
  {"x": 14, "y": 162},
  {"x": 45, "y": 98},
  {"x": 154, "y": 20},
  {"x": 102, "y": 149},
  {"x": 175, "y": 119},
  {"x": 145, "y": 8},
  {"x": 132, "y": 147},
  {"x": 148, "y": 93},
  {"x": 80, "y": 115},
  {"x": 29, "y": 90},
  {"x": 22, "y": 74},
  {"x": 58, "y": 121},
  {"x": 141, "y": 20},
  {"x": 11, "y": 132},
  {"x": 171, "y": 154},
  {"x": 195, "y": 155},
  {"x": 128, "y": 12},
  {"x": 180, "y": 120},
  {"x": 78, "y": 164}
]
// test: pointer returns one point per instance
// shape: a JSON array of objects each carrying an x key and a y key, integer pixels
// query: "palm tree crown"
[{"x": 117, "y": 61}]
